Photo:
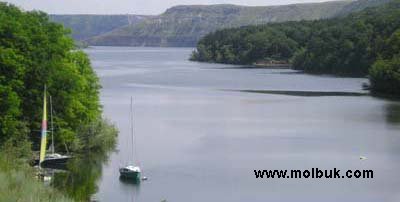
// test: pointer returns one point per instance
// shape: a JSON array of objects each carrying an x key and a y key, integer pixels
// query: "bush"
[{"x": 385, "y": 76}]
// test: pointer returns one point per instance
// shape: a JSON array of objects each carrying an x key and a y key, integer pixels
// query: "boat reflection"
[
  {"x": 131, "y": 187},
  {"x": 130, "y": 181}
]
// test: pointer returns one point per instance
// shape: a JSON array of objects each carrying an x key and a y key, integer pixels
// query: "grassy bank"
[
  {"x": 20, "y": 185},
  {"x": 18, "y": 179}
]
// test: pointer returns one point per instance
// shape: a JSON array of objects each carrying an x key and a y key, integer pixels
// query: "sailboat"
[
  {"x": 131, "y": 171},
  {"x": 52, "y": 160}
]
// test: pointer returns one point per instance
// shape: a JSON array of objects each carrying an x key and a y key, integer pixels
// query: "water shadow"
[
  {"x": 393, "y": 113},
  {"x": 304, "y": 93},
  {"x": 293, "y": 72},
  {"x": 250, "y": 67}
]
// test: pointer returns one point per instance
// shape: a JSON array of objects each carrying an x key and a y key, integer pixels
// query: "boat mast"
[
  {"x": 52, "y": 129},
  {"x": 132, "y": 137}
]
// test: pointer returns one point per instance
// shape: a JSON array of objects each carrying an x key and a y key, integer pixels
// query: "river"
[{"x": 202, "y": 129}]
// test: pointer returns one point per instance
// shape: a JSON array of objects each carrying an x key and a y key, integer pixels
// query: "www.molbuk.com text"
[{"x": 314, "y": 173}]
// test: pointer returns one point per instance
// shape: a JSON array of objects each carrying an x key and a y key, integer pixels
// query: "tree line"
[
  {"x": 35, "y": 52},
  {"x": 359, "y": 44}
]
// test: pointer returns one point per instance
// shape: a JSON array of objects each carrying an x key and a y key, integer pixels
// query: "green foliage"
[
  {"x": 35, "y": 52},
  {"x": 99, "y": 136},
  {"x": 9, "y": 112},
  {"x": 385, "y": 72},
  {"x": 249, "y": 44},
  {"x": 385, "y": 76},
  {"x": 349, "y": 46}
]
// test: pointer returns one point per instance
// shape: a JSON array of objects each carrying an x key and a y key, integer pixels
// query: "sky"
[{"x": 145, "y": 7}]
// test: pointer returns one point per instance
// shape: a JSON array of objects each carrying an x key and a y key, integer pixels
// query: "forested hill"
[
  {"x": 360, "y": 5},
  {"x": 361, "y": 43},
  {"x": 85, "y": 26},
  {"x": 185, "y": 25}
]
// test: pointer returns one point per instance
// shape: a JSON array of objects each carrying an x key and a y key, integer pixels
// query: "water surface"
[{"x": 202, "y": 129}]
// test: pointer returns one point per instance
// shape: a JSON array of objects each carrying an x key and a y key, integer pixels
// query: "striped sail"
[{"x": 44, "y": 130}]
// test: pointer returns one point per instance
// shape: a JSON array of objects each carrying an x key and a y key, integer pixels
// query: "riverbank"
[
  {"x": 273, "y": 64},
  {"x": 360, "y": 44},
  {"x": 19, "y": 181}
]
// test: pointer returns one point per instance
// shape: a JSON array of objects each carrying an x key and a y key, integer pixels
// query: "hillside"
[
  {"x": 185, "y": 25},
  {"x": 86, "y": 26},
  {"x": 366, "y": 42},
  {"x": 360, "y": 5}
]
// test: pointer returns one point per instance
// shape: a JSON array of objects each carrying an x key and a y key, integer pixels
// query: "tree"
[
  {"x": 385, "y": 76},
  {"x": 35, "y": 52}
]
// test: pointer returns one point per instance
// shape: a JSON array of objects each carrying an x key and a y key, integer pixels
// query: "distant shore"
[{"x": 273, "y": 65}]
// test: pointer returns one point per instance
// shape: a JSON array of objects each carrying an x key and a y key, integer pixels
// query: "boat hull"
[
  {"x": 130, "y": 175},
  {"x": 56, "y": 163},
  {"x": 61, "y": 160}
]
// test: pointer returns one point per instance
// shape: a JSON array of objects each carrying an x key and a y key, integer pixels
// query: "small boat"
[
  {"x": 132, "y": 171},
  {"x": 52, "y": 160}
]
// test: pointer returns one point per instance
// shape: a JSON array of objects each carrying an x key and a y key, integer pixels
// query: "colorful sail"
[{"x": 44, "y": 130}]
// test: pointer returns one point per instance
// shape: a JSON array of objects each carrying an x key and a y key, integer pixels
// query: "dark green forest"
[{"x": 359, "y": 44}]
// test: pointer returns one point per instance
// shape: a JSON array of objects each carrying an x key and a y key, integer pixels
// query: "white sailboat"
[{"x": 132, "y": 171}]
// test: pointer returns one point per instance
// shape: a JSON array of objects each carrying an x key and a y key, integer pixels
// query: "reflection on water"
[
  {"x": 129, "y": 181},
  {"x": 393, "y": 113},
  {"x": 130, "y": 186},
  {"x": 80, "y": 181},
  {"x": 305, "y": 93}
]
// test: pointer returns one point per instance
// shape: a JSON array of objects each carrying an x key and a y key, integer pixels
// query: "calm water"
[{"x": 199, "y": 138}]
